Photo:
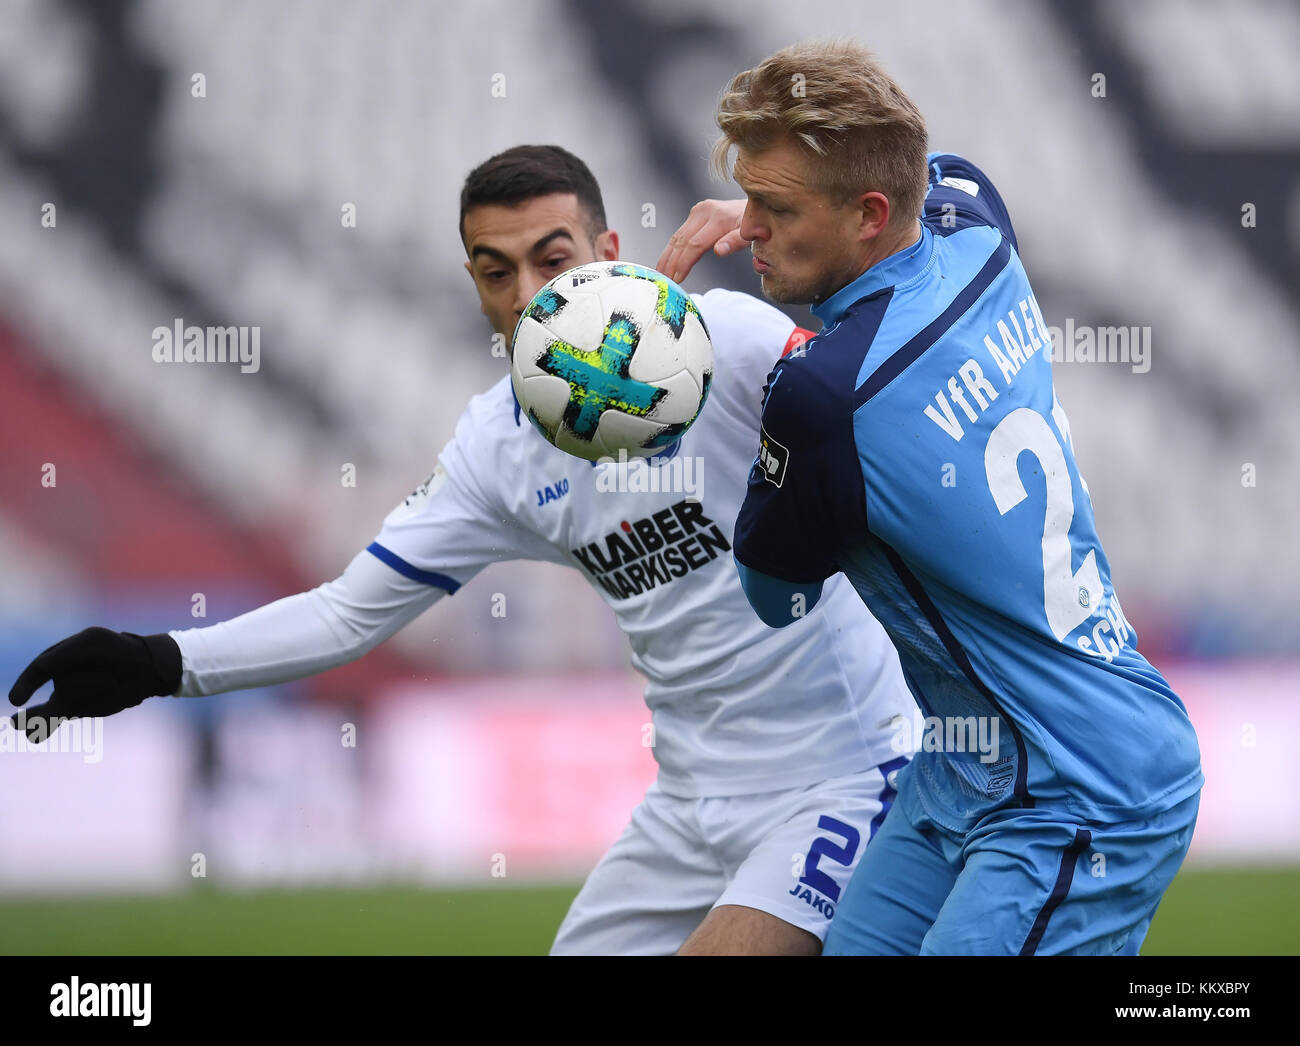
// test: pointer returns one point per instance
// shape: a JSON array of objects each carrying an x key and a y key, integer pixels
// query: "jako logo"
[
  {"x": 552, "y": 493},
  {"x": 101, "y": 1000}
]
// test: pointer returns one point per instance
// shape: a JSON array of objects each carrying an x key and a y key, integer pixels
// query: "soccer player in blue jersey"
[{"x": 917, "y": 445}]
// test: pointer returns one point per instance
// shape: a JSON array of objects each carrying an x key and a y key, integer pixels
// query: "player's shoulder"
[
  {"x": 828, "y": 364},
  {"x": 740, "y": 324},
  {"x": 735, "y": 312},
  {"x": 495, "y": 448},
  {"x": 493, "y": 428},
  {"x": 748, "y": 337},
  {"x": 809, "y": 393},
  {"x": 492, "y": 405},
  {"x": 494, "y": 415},
  {"x": 961, "y": 195}
]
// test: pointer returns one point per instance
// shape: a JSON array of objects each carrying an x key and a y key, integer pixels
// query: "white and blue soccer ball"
[{"x": 611, "y": 357}]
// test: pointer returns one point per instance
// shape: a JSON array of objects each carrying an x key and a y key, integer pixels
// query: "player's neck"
[{"x": 886, "y": 245}]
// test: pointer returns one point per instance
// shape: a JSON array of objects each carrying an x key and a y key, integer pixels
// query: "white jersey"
[{"x": 737, "y": 707}]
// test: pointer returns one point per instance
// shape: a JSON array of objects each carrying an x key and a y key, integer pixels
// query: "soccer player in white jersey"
[{"x": 776, "y": 748}]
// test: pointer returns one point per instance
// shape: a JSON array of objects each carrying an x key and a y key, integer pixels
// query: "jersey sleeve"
[
  {"x": 777, "y": 603},
  {"x": 804, "y": 497},
  {"x": 961, "y": 195},
  {"x": 454, "y": 524},
  {"x": 304, "y": 634}
]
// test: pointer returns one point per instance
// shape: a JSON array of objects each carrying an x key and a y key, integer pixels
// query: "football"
[{"x": 611, "y": 357}]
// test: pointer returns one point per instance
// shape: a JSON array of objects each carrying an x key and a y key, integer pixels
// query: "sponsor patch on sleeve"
[
  {"x": 773, "y": 458},
  {"x": 421, "y": 494}
]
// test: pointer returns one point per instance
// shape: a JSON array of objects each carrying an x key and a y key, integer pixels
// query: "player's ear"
[
  {"x": 873, "y": 211},
  {"x": 607, "y": 246}
]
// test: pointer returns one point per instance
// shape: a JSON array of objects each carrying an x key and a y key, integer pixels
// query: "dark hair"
[{"x": 528, "y": 171}]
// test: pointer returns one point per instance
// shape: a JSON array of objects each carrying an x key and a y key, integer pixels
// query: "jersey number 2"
[
  {"x": 822, "y": 847},
  {"x": 1070, "y": 597}
]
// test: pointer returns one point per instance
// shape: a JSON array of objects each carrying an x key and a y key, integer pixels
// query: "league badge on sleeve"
[
  {"x": 421, "y": 494},
  {"x": 772, "y": 458},
  {"x": 964, "y": 184}
]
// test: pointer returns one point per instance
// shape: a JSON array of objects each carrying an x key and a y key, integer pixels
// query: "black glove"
[{"x": 96, "y": 672}]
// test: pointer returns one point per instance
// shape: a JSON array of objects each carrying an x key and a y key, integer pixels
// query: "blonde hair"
[{"x": 852, "y": 121}]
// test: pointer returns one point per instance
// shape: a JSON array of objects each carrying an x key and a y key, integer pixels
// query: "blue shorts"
[{"x": 1028, "y": 882}]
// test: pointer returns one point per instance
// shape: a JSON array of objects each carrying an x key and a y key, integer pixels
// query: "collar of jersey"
[
  {"x": 889, "y": 272},
  {"x": 669, "y": 451}
]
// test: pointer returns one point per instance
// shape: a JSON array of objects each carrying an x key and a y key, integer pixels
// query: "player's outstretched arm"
[
  {"x": 712, "y": 225},
  {"x": 99, "y": 672}
]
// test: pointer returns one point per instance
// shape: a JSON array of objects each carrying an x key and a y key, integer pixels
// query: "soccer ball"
[{"x": 611, "y": 357}]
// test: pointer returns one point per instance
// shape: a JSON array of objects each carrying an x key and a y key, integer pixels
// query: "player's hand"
[
  {"x": 96, "y": 672},
  {"x": 711, "y": 225}
]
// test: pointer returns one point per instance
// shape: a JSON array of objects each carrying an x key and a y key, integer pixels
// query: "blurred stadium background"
[{"x": 496, "y": 757}]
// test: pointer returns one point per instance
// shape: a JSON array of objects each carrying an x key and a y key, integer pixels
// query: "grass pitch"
[{"x": 1246, "y": 911}]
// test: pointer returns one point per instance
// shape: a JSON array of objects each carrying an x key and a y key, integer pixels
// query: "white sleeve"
[
  {"x": 447, "y": 530},
  {"x": 303, "y": 634}
]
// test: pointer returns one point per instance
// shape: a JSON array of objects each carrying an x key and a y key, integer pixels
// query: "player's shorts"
[
  {"x": 788, "y": 853},
  {"x": 1027, "y": 882}
]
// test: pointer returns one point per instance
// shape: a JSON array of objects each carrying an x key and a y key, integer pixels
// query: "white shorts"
[{"x": 787, "y": 853}]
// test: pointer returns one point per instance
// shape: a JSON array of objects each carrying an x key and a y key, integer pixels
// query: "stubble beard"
[{"x": 784, "y": 293}]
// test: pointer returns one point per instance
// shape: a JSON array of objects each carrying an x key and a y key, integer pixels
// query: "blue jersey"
[{"x": 917, "y": 446}]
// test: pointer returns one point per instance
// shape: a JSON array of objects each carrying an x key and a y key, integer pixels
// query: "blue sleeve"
[
  {"x": 805, "y": 494},
  {"x": 777, "y": 603},
  {"x": 950, "y": 203}
]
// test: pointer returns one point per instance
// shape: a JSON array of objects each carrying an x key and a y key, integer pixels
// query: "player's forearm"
[
  {"x": 304, "y": 634},
  {"x": 288, "y": 639}
]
